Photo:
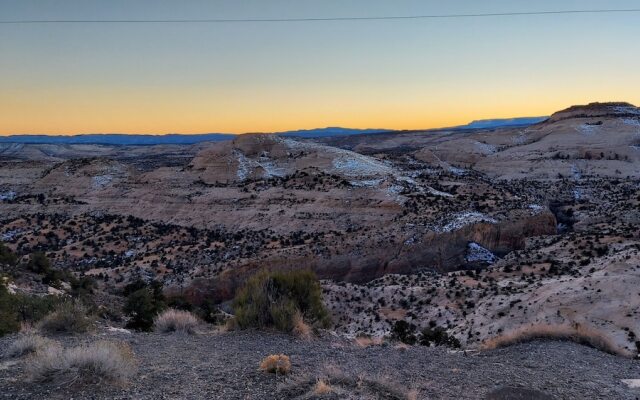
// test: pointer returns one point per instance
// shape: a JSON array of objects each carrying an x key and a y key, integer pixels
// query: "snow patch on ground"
[
  {"x": 575, "y": 172},
  {"x": 438, "y": 193},
  {"x": 457, "y": 171},
  {"x": 535, "y": 209},
  {"x": 485, "y": 148},
  {"x": 463, "y": 219},
  {"x": 100, "y": 181},
  {"x": 346, "y": 162},
  {"x": 10, "y": 195},
  {"x": 10, "y": 235},
  {"x": 477, "y": 253},
  {"x": 243, "y": 165},
  {"x": 366, "y": 183},
  {"x": 626, "y": 110},
  {"x": 352, "y": 164}
]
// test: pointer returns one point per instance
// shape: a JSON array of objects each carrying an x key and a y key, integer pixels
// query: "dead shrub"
[
  {"x": 90, "y": 363},
  {"x": 276, "y": 364},
  {"x": 179, "y": 321}
]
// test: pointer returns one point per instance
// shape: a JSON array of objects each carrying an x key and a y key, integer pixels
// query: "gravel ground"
[{"x": 225, "y": 366}]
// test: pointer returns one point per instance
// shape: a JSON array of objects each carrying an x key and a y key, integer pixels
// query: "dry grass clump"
[
  {"x": 173, "y": 320},
  {"x": 29, "y": 343},
  {"x": 90, "y": 363},
  {"x": 322, "y": 387},
  {"x": 335, "y": 383},
  {"x": 366, "y": 341},
  {"x": 575, "y": 332},
  {"x": 68, "y": 317},
  {"x": 300, "y": 328},
  {"x": 276, "y": 364}
]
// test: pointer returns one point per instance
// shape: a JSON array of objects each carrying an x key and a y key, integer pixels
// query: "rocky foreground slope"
[{"x": 225, "y": 366}]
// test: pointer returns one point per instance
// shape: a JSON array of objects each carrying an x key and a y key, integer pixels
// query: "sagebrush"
[{"x": 277, "y": 299}]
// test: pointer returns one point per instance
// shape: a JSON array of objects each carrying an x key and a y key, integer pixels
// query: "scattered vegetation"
[
  {"x": 405, "y": 332},
  {"x": 172, "y": 320},
  {"x": 97, "y": 362},
  {"x": 278, "y": 299},
  {"x": 276, "y": 364}
]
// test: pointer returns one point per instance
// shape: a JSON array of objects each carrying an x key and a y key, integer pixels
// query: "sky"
[{"x": 265, "y": 77}]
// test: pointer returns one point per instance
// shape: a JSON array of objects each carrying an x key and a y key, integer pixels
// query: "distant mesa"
[
  {"x": 591, "y": 110},
  {"x": 503, "y": 123}
]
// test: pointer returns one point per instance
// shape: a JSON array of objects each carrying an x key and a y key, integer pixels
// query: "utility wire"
[{"x": 258, "y": 20}]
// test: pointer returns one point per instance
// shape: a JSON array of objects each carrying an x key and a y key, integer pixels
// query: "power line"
[{"x": 258, "y": 20}]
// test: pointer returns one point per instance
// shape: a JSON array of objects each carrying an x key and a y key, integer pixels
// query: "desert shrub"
[
  {"x": 68, "y": 317},
  {"x": 276, "y": 364},
  {"x": 28, "y": 344},
  {"x": 438, "y": 337},
  {"x": 90, "y": 363},
  {"x": 9, "y": 319},
  {"x": 18, "y": 308},
  {"x": 144, "y": 303},
  {"x": 39, "y": 263},
  {"x": 7, "y": 257},
  {"x": 274, "y": 299},
  {"x": 404, "y": 332},
  {"x": 172, "y": 320}
]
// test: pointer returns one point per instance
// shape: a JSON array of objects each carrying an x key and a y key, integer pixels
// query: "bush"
[
  {"x": 176, "y": 321},
  {"x": 276, "y": 364},
  {"x": 68, "y": 317},
  {"x": 144, "y": 303},
  {"x": 28, "y": 344},
  {"x": 404, "y": 332},
  {"x": 438, "y": 337},
  {"x": 274, "y": 299},
  {"x": 18, "y": 308},
  {"x": 89, "y": 363},
  {"x": 39, "y": 263},
  {"x": 7, "y": 257}
]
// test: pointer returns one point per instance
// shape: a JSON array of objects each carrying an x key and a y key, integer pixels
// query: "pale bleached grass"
[
  {"x": 29, "y": 343},
  {"x": 176, "y": 321},
  {"x": 102, "y": 361},
  {"x": 573, "y": 332}
]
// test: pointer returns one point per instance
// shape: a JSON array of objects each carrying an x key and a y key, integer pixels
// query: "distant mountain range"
[{"x": 124, "y": 139}]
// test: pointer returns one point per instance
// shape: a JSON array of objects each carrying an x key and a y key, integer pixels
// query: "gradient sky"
[{"x": 409, "y": 74}]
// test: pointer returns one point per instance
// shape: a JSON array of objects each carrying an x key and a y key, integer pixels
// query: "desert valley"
[{"x": 509, "y": 249}]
